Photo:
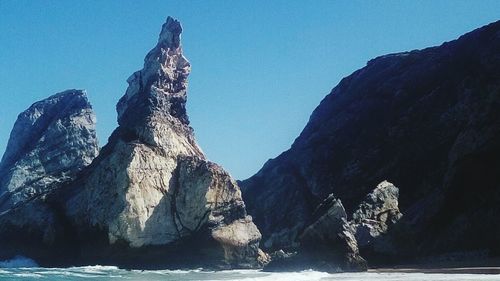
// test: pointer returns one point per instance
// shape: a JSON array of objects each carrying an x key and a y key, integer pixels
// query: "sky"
[{"x": 259, "y": 68}]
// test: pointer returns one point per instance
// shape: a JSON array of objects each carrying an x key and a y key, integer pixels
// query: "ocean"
[{"x": 103, "y": 273}]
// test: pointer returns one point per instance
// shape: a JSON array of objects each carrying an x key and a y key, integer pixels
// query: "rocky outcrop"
[
  {"x": 50, "y": 143},
  {"x": 375, "y": 215},
  {"x": 150, "y": 199},
  {"x": 331, "y": 242},
  {"x": 152, "y": 184},
  {"x": 427, "y": 120}
]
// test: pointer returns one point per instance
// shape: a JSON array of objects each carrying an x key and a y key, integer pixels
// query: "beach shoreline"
[{"x": 441, "y": 270}]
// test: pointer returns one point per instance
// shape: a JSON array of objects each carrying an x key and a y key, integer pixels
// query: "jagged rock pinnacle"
[
  {"x": 158, "y": 92},
  {"x": 170, "y": 34}
]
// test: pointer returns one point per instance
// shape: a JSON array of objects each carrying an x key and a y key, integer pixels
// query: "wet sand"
[{"x": 449, "y": 270}]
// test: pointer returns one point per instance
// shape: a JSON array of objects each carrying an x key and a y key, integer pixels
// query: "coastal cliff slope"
[{"x": 426, "y": 120}]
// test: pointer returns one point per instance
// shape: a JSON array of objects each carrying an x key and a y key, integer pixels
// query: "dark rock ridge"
[
  {"x": 428, "y": 121},
  {"x": 50, "y": 143},
  {"x": 150, "y": 199}
]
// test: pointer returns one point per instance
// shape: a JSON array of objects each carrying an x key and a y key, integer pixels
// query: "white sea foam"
[
  {"x": 27, "y": 275},
  {"x": 288, "y": 276},
  {"x": 106, "y": 273}
]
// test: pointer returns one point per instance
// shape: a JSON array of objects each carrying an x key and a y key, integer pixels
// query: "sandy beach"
[{"x": 449, "y": 270}]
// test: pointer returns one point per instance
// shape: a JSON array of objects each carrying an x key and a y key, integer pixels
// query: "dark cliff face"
[{"x": 426, "y": 120}]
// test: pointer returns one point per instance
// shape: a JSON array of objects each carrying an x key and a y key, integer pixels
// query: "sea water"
[
  {"x": 113, "y": 273},
  {"x": 22, "y": 268}
]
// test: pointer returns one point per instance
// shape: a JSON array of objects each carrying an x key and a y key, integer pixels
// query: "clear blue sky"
[{"x": 259, "y": 67}]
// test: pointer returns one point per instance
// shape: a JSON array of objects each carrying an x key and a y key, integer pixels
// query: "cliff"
[{"x": 427, "y": 121}]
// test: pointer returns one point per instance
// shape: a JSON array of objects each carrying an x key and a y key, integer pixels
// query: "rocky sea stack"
[
  {"x": 50, "y": 143},
  {"x": 149, "y": 200}
]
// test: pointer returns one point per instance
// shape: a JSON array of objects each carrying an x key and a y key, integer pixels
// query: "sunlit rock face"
[
  {"x": 50, "y": 143},
  {"x": 149, "y": 200},
  {"x": 152, "y": 185},
  {"x": 425, "y": 120}
]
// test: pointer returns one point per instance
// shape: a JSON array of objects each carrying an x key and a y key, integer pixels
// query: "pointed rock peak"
[
  {"x": 170, "y": 35},
  {"x": 155, "y": 100}
]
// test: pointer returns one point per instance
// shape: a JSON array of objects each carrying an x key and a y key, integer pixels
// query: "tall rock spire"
[{"x": 151, "y": 184}]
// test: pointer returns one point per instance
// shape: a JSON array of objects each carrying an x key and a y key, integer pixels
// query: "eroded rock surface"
[{"x": 50, "y": 143}]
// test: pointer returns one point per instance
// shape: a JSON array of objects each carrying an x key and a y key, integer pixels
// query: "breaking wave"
[{"x": 21, "y": 272}]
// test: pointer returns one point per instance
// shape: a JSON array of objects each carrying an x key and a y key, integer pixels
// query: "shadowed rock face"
[
  {"x": 426, "y": 120},
  {"x": 50, "y": 143},
  {"x": 329, "y": 239}
]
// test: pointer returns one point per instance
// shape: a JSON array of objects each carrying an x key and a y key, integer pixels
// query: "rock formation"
[
  {"x": 150, "y": 199},
  {"x": 332, "y": 243},
  {"x": 50, "y": 143},
  {"x": 375, "y": 215},
  {"x": 152, "y": 184},
  {"x": 428, "y": 121},
  {"x": 329, "y": 241}
]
